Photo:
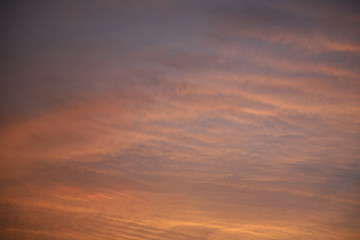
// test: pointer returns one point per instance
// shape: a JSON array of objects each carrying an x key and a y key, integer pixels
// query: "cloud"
[{"x": 180, "y": 120}]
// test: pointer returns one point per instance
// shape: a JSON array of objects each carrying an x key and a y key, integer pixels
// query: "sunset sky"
[{"x": 180, "y": 120}]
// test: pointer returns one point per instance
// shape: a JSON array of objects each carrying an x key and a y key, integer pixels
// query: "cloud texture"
[{"x": 180, "y": 120}]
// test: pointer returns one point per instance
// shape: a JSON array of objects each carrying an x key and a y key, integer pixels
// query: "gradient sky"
[{"x": 180, "y": 120}]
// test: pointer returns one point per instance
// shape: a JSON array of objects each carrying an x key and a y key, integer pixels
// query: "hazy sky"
[{"x": 180, "y": 120}]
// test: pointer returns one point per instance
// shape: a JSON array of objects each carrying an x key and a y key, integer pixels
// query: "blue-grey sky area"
[{"x": 180, "y": 120}]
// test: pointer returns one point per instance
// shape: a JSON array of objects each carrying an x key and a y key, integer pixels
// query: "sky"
[{"x": 180, "y": 120}]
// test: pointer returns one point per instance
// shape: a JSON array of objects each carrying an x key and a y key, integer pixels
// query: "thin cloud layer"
[{"x": 180, "y": 120}]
